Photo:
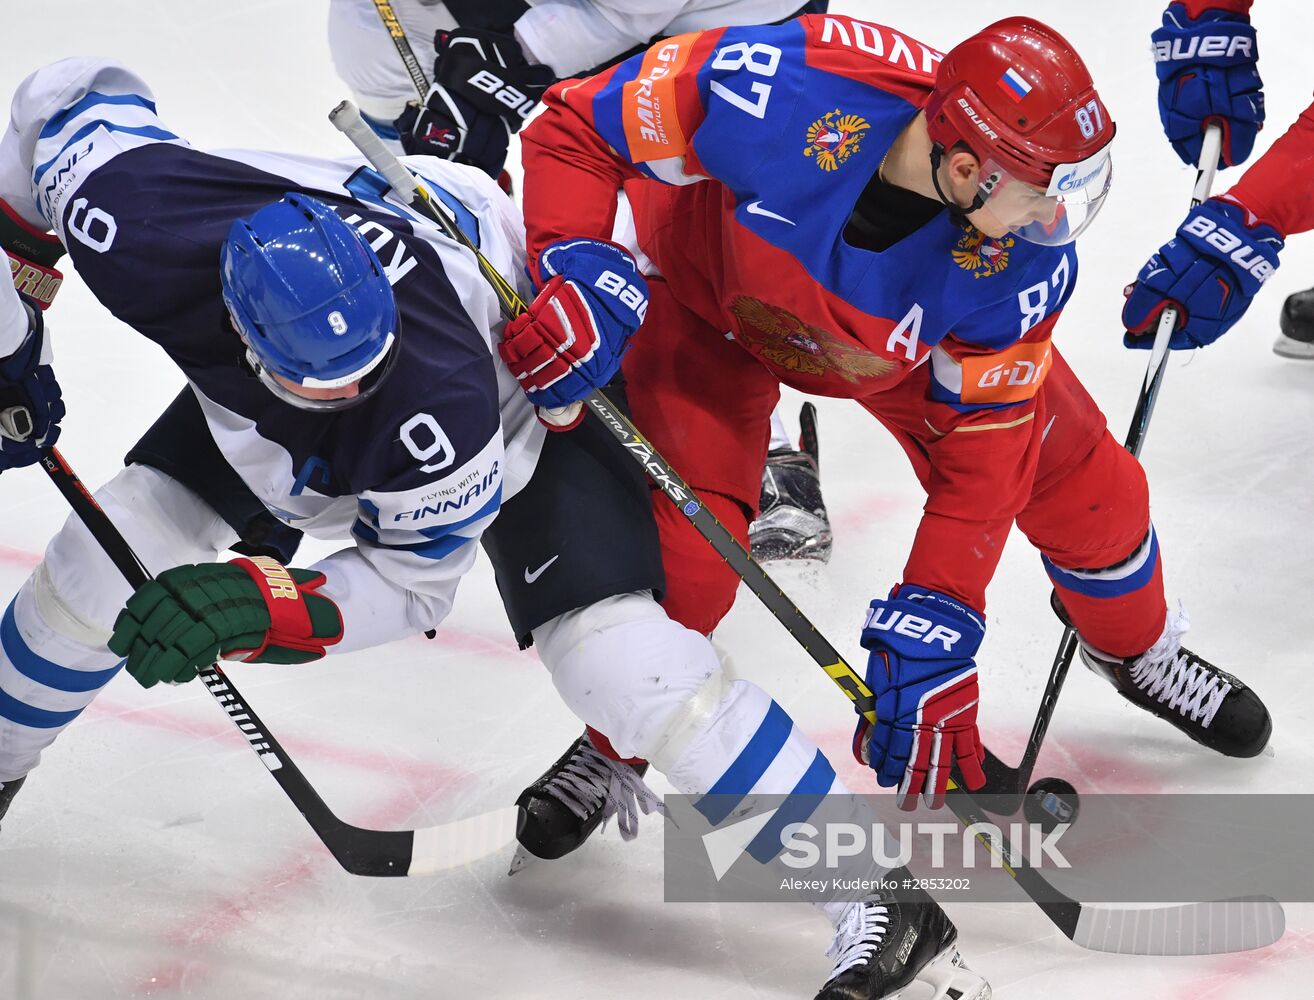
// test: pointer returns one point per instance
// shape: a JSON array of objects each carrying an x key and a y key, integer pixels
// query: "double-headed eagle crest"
[{"x": 834, "y": 138}]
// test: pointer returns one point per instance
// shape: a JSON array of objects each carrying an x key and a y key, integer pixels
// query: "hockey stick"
[
  {"x": 359, "y": 851},
  {"x": 1010, "y": 783},
  {"x": 403, "y": 46},
  {"x": 1174, "y": 930}
]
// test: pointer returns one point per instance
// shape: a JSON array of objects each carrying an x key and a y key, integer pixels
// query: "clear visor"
[{"x": 1052, "y": 216}]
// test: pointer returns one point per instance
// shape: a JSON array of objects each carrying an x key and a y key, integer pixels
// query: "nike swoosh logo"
[
  {"x": 531, "y": 577},
  {"x": 755, "y": 208}
]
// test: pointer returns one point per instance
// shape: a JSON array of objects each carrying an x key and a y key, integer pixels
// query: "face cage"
[{"x": 1075, "y": 196}]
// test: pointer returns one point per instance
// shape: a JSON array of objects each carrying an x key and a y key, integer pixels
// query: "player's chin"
[{"x": 988, "y": 223}]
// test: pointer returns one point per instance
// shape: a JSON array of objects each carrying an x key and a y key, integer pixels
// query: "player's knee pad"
[
  {"x": 78, "y": 590},
  {"x": 629, "y": 671}
]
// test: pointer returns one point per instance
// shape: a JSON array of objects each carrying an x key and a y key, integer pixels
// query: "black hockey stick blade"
[
  {"x": 372, "y": 853},
  {"x": 1004, "y": 787}
]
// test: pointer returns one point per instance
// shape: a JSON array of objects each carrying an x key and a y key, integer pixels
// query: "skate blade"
[
  {"x": 522, "y": 859},
  {"x": 950, "y": 978},
  {"x": 789, "y": 546}
]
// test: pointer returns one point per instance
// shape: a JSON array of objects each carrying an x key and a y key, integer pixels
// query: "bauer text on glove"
[
  {"x": 1208, "y": 272},
  {"x": 571, "y": 338},
  {"x": 1208, "y": 74},
  {"x": 921, "y": 666},
  {"x": 483, "y": 91}
]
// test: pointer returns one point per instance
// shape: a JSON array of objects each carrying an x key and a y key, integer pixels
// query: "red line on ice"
[
  {"x": 231, "y": 913},
  {"x": 19, "y": 557}
]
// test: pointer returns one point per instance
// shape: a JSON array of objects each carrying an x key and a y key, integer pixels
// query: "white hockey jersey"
[{"x": 413, "y": 474}]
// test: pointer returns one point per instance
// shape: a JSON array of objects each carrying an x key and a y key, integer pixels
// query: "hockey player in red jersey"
[{"x": 871, "y": 220}]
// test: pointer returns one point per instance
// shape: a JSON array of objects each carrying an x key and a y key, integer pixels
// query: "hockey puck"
[{"x": 1050, "y": 802}]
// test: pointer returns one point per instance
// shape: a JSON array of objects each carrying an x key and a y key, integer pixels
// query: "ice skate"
[
  {"x": 1297, "y": 323},
  {"x": 573, "y": 797},
  {"x": 1207, "y": 704},
  {"x": 8, "y": 789},
  {"x": 792, "y": 523},
  {"x": 882, "y": 948}
]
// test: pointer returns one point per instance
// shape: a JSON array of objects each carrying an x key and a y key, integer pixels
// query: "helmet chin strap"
[{"x": 957, "y": 211}]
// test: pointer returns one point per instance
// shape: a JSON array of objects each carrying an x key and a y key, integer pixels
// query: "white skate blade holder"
[
  {"x": 1288, "y": 347},
  {"x": 951, "y": 979}
]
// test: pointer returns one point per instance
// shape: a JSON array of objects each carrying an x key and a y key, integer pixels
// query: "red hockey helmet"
[{"x": 1020, "y": 98}]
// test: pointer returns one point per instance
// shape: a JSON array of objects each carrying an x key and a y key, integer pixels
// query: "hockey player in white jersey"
[{"x": 343, "y": 370}]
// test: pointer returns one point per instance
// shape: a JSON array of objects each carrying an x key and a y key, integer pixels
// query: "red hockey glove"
[{"x": 571, "y": 338}]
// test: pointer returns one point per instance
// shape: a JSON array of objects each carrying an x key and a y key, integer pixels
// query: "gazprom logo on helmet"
[{"x": 1070, "y": 177}]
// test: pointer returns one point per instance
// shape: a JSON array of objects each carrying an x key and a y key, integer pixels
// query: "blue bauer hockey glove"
[
  {"x": 1208, "y": 73},
  {"x": 1209, "y": 273},
  {"x": 922, "y": 669},
  {"x": 571, "y": 338}
]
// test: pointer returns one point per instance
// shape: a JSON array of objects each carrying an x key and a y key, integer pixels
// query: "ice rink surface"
[{"x": 152, "y": 856}]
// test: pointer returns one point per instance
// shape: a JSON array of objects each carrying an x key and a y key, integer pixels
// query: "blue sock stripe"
[
  {"x": 752, "y": 762},
  {"x": 1106, "y": 588},
  {"x": 37, "y": 668},
  {"x": 37, "y": 718},
  {"x": 801, "y": 804}
]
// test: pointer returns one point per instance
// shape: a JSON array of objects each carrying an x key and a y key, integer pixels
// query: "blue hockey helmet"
[{"x": 311, "y": 302}]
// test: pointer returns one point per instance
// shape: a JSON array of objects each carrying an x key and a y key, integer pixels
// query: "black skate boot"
[
  {"x": 1297, "y": 324},
  {"x": 792, "y": 522},
  {"x": 1207, "y": 704},
  {"x": 8, "y": 789},
  {"x": 583, "y": 789},
  {"x": 881, "y": 948}
]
